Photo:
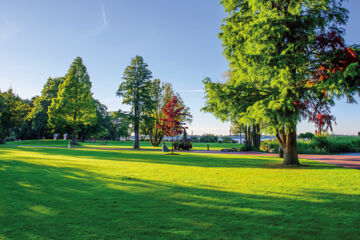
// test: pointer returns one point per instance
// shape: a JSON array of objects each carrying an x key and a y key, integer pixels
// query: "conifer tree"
[
  {"x": 273, "y": 50},
  {"x": 135, "y": 91},
  {"x": 74, "y": 105}
]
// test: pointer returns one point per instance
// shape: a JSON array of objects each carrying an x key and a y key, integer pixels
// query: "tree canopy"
[
  {"x": 273, "y": 52},
  {"x": 74, "y": 105},
  {"x": 135, "y": 91},
  {"x": 12, "y": 112}
]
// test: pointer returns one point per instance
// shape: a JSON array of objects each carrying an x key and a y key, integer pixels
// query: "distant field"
[
  {"x": 121, "y": 144},
  {"x": 53, "y": 193}
]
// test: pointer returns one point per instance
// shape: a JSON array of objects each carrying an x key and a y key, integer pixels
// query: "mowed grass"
[
  {"x": 52, "y": 193},
  {"x": 118, "y": 144}
]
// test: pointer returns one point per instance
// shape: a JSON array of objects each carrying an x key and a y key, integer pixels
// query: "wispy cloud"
[
  {"x": 104, "y": 24},
  {"x": 104, "y": 15}
]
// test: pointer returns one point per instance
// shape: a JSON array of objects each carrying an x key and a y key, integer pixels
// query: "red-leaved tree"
[
  {"x": 171, "y": 124},
  {"x": 331, "y": 57}
]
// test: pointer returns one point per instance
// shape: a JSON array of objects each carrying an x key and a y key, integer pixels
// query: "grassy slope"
[
  {"x": 121, "y": 144},
  {"x": 49, "y": 193}
]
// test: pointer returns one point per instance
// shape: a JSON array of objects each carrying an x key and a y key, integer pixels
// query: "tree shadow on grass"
[
  {"x": 45, "y": 202},
  {"x": 195, "y": 159}
]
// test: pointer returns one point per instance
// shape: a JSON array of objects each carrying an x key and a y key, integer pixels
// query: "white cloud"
[
  {"x": 103, "y": 26},
  {"x": 104, "y": 15}
]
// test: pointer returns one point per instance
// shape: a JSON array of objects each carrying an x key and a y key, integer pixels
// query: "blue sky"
[{"x": 178, "y": 40}]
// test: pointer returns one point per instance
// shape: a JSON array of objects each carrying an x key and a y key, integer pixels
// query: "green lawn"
[
  {"x": 52, "y": 193},
  {"x": 120, "y": 144}
]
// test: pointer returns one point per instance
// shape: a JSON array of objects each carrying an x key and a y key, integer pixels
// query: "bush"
[
  {"x": 270, "y": 146},
  {"x": 307, "y": 135},
  {"x": 184, "y": 144},
  {"x": 208, "y": 138},
  {"x": 226, "y": 140},
  {"x": 194, "y": 139},
  {"x": 246, "y": 148}
]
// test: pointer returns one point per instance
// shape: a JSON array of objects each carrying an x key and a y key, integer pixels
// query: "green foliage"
[
  {"x": 74, "y": 105},
  {"x": 135, "y": 91},
  {"x": 307, "y": 135},
  {"x": 100, "y": 129},
  {"x": 13, "y": 111},
  {"x": 194, "y": 139},
  {"x": 226, "y": 139},
  {"x": 318, "y": 145},
  {"x": 184, "y": 144},
  {"x": 270, "y": 146},
  {"x": 39, "y": 111},
  {"x": 120, "y": 125},
  {"x": 207, "y": 138},
  {"x": 271, "y": 47}
]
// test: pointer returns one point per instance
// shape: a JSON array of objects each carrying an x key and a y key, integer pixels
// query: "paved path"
[{"x": 348, "y": 160}]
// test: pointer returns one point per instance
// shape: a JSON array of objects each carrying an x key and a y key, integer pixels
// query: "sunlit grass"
[
  {"x": 119, "y": 144},
  {"x": 50, "y": 193}
]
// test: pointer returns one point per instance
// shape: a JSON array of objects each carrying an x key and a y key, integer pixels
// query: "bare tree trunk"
[{"x": 172, "y": 145}]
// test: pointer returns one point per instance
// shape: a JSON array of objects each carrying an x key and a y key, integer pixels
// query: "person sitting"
[{"x": 165, "y": 148}]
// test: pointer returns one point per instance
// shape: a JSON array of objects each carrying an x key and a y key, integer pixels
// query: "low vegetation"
[
  {"x": 52, "y": 193},
  {"x": 319, "y": 145}
]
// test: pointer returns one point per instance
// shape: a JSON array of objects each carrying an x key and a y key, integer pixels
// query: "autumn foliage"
[
  {"x": 332, "y": 56},
  {"x": 171, "y": 124}
]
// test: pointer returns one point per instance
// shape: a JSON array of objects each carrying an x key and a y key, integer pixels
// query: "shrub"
[
  {"x": 208, "y": 138},
  {"x": 245, "y": 148},
  {"x": 307, "y": 135},
  {"x": 320, "y": 142},
  {"x": 270, "y": 146},
  {"x": 226, "y": 140},
  {"x": 184, "y": 144}
]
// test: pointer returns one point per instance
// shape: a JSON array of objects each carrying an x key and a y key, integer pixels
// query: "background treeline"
[{"x": 66, "y": 105}]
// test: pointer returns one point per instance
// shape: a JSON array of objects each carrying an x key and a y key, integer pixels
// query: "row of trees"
[
  {"x": 288, "y": 62},
  {"x": 149, "y": 101},
  {"x": 67, "y": 105}
]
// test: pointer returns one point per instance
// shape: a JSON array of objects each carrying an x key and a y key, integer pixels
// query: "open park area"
[
  {"x": 180, "y": 120},
  {"x": 57, "y": 193}
]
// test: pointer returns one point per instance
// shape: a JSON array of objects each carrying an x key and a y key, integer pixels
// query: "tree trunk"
[
  {"x": 281, "y": 152},
  {"x": 172, "y": 145},
  {"x": 136, "y": 128},
  {"x": 240, "y": 136},
  {"x": 74, "y": 140},
  {"x": 290, "y": 150},
  {"x": 287, "y": 141}
]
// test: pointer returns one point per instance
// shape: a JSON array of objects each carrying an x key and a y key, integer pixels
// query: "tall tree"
[
  {"x": 171, "y": 124},
  {"x": 74, "y": 105},
  {"x": 161, "y": 93},
  {"x": 273, "y": 51},
  {"x": 39, "y": 112},
  {"x": 12, "y": 113},
  {"x": 152, "y": 116},
  {"x": 135, "y": 91}
]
